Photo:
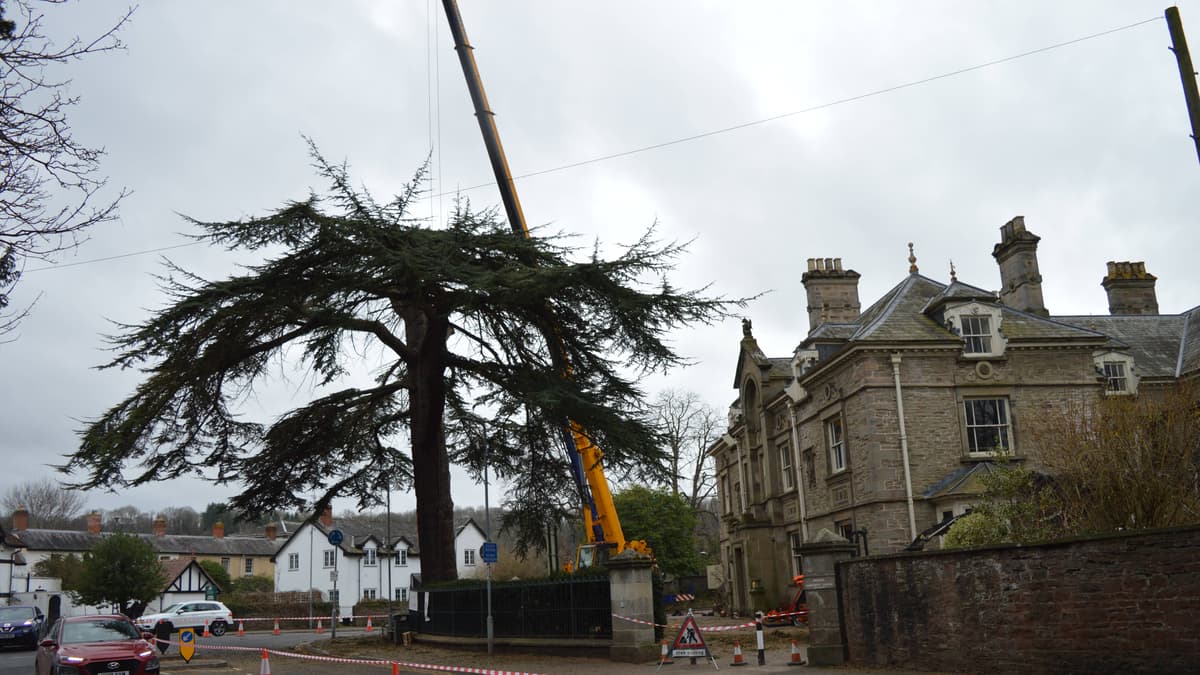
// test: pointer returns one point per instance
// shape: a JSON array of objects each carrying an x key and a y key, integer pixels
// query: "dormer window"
[
  {"x": 977, "y": 334},
  {"x": 1114, "y": 377},
  {"x": 979, "y": 327},
  {"x": 1118, "y": 373}
]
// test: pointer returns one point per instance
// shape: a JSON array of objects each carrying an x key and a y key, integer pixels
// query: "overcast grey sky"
[{"x": 204, "y": 113}]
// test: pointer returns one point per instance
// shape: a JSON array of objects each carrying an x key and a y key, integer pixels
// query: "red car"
[{"x": 105, "y": 644}]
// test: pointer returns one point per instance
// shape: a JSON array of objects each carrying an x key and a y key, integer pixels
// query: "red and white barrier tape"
[
  {"x": 367, "y": 662},
  {"x": 771, "y": 615},
  {"x": 668, "y": 625},
  {"x": 311, "y": 618}
]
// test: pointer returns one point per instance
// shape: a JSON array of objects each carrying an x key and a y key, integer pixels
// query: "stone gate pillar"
[
  {"x": 632, "y": 595},
  {"x": 825, "y": 647}
]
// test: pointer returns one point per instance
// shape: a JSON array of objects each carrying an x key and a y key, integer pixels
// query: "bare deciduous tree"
[
  {"x": 1112, "y": 464},
  {"x": 49, "y": 182},
  {"x": 50, "y": 505},
  {"x": 1126, "y": 463},
  {"x": 689, "y": 426}
]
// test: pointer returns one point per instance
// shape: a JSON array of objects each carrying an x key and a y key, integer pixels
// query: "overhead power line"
[
  {"x": 706, "y": 134},
  {"x": 111, "y": 257},
  {"x": 829, "y": 104}
]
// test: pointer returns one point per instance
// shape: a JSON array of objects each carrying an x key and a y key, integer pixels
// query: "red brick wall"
[{"x": 1114, "y": 604}]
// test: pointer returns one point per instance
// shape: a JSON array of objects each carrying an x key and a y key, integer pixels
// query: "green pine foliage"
[{"x": 476, "y": 326}]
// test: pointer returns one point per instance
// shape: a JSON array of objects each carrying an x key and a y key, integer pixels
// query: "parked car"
[
  {"x": 20, "y": 625},
  {"x": 192, "y": 614},
  {"x": 104, "y": 644}
]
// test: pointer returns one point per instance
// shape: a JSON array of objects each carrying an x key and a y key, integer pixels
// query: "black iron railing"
[{"x": 568, "y": 608}]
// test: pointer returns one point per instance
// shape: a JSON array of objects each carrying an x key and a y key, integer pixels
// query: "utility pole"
[{"x": 1187, "y": 72}]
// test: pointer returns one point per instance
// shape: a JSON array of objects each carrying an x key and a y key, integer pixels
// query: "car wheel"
[{"x": 217, "y": 628}]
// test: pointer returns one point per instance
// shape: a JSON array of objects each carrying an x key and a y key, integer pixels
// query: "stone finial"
[
  {"x": 912, "y": 260},
  {"x": 953, "y": 273},
  {"x": 746, "y": 328}
]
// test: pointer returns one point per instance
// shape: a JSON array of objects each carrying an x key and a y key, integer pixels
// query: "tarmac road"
[{"x": 14, "y": 661}]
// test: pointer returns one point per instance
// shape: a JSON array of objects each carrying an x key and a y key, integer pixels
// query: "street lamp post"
[{"x": 487, "y": 522}]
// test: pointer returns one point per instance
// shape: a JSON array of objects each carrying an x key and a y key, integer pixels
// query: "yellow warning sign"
[
  {"x": 689, "y": 641},
  {"x": 187, "y": 643}
]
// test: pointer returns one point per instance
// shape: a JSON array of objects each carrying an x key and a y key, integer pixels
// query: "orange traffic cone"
[
  {"x": 206, "y": 633},
  {"x": 320, "y": 628},
  {"x": 241, "y": 630},
  {"x": 664, "y": 659},
  {"x": 737, "y": 654},
  {"x": 368, "y": 624},
  {"x": 796, "y": 660},
  {"x": 265, "y": 668},
  {"x": 276, "y": 630}
]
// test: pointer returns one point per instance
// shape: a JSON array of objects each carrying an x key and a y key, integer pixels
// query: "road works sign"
[
  {"x": 689, "y": 641},
  {"x": 187, "y": 643}
]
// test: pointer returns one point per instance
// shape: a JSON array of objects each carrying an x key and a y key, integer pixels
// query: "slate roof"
[
  {"x": 899, "y": 317},
  {"x": 964, "y": 481},
  {"x": 911, "y": 311},
  {"x": 470, "y": 522},
  {"x": 959, "y": 291},
  {"x": 780, "y": 367},
  {"x": 1158, "y": 343},
  {"x": 72, "y": 541},
  {"x": 1018, "y": 325},
  {"x": 356, "y": 535},
  {"x": 1189, "y": 357}
]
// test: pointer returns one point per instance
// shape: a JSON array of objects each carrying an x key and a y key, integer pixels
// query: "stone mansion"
[{"x": 877, "y": 424}]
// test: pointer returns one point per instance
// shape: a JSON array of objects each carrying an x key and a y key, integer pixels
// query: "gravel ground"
[{"x": 777, "y": 642}]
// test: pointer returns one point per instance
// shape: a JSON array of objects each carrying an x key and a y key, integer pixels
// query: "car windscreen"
[
  {"x": 16, "y": 613},
  {"x": 172, "y": 608},
  {"x": 98, "y": 630}
]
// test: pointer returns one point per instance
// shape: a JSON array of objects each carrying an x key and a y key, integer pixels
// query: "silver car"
[{"x": 193, "y": 614}]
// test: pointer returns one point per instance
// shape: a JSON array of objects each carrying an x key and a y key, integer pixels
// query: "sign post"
[{"x": 335, "y": 538}]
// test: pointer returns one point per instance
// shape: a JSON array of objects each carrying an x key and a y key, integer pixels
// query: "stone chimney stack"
[
  {"x": 270, "y": 531},
  {"x": 1130, "y": 288},
  {"x": 832, "y": 292},
  {"x": 1020, "y": 279},
  {"x": 327, "y": 516},
  {"x": 218, "y": 530},
  {"x": 21, "y": 519},
  {"x": 93, "y": 522},
  {"x": 160, "y": 526}
]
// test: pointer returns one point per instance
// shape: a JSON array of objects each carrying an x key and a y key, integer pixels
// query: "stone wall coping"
[
  {"x": 629, "y": 560},
  {"x": 1057, "y": 543}
]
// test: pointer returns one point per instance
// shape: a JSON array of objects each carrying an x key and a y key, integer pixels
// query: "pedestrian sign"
[
  {"x": 689, "y": 641},
  {"x": 488, "y": 552},
  {"x": 187, "y": 643}
]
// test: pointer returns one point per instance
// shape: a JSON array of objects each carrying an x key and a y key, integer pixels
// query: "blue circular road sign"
[{"x": 335, "y": 537}]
